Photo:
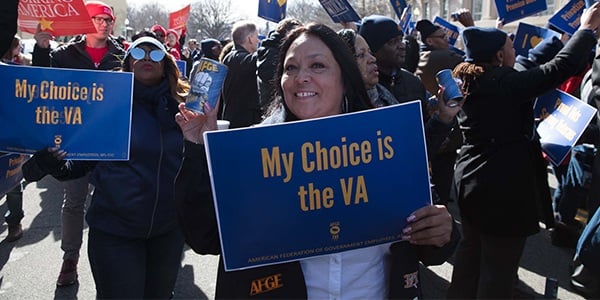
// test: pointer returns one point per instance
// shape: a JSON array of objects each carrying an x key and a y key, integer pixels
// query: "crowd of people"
[{"x": 486, "y": 159}]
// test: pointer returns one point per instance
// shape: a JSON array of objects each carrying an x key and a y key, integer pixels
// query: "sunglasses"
[{"x": 139, "y": 53}]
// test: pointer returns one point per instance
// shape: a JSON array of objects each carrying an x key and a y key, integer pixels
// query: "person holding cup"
[{"x": 499, "y": 173}]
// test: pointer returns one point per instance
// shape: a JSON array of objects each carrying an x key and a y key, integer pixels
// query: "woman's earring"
[{"x": 345, "y": 105}]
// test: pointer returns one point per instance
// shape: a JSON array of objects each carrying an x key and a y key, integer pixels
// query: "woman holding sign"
[
  {"x": 317, "y": 77},
  {"x": 499, "y": 175},
  {"x": 134, "y": 243}
]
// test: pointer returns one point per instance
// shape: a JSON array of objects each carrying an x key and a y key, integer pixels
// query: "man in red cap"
[{"x": 95, "y": 51}]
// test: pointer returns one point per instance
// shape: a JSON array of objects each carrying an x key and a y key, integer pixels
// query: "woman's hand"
[
  {"x": 194, "y": 124},
  {"x": 446, "y": 112},
  {"x": 590, "y": 19},
  {"x": 429, "y": 225}
]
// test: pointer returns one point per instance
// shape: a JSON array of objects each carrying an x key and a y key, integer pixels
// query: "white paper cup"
[{"x": 222, "y": 124}]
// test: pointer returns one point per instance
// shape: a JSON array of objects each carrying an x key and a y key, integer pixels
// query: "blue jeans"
[
  {"x": 574, "y": 182},
  {"x": 14, "y": 202},
  {"x": 135, "y": 268}
]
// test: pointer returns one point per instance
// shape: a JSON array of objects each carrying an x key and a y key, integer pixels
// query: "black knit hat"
[
  {"x": 426, "y": 28},
  {"x": 481, "y": 44},
  {"x": 378, "y": 30}
]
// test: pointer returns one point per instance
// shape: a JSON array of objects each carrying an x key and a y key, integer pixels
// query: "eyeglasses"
[
  {"x": 98, "y": 20},
  {"x": 139, "y": 53}
]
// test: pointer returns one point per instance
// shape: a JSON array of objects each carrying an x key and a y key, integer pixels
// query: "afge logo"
[
  {"x": 266, "y": 284},
  {"x": 334, "y": 230}
]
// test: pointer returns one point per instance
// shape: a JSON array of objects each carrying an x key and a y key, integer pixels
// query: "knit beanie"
[
  {"x": 546, "y": 50},
  {"x": 95, "y": 8},
  {"x": 378, "y": 30},
  {"x": 481, "y": 44},
  {"x": 426, "y": 28},
  {"x": 207, "y": 44}
]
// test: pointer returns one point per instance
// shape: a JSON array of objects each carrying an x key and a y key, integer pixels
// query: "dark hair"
[
  {"x": 179, "y": 88},
  {"x": 348, "y": 36},
  {"x": 286, "y": 25},
  {"x": 354, "y": 88},
  {"x": 142, "y": 33}
]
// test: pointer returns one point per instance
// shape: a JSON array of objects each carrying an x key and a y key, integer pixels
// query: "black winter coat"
[{"x": 499, "y": 176}]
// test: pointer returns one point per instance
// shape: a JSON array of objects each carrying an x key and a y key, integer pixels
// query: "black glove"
[{"x": 41, "y": 164}]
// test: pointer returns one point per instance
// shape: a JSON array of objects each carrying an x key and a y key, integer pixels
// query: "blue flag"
[
  {"x": 399, "y": 6},
  {"x": 272, "y": 10},
  {"x": 564, "y": 118},
  {"x": 340, "y": 10},
  {"x": 528, "y": 36},
  {"x": 512, "y": 10},
  {"x": 451, "y": 30},
  {"x": 86, "y": 113},
  {"x": 568, "y": 17},
  {"x": 405, "y": 19},
  {"x": 293, "y": 190}
]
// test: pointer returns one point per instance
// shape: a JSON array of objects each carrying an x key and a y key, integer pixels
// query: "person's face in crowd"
[
  {"x": 16, "y": 51},
  {"x": 438, "y": 39},
  {"x": 253, "y": 41},
  {"x": 508, "y": 53},
  {"x": 367, "y": 64},
  {"x": 216, "y": 49},
  {"x": 104, "y": 26},
  {"x": 148, "y": 67},
  {"x": 192, "y": 45},
  {"x": 312, "y": 79},
  {"x": 392, "y": 53},
  {"x": 160, "y": 36},
  {"x": 171, "y": 39}
]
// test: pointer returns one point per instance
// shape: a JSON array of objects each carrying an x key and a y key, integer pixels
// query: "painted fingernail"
[{"x": 411, "y": 218}]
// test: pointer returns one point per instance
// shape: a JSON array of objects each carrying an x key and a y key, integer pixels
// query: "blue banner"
[
  {"x": 10, "y": 171},
  {"x": 564, "y": 118},
  {"x": 528, "y": 36},
  {"x": 271, "y": 10},
  {"x": 451, "y": 30},
  {"x": 568, "y": 17},
  {"x": 399, "y": 8},
  {"x": 182, "y": 66},
  {"x": 512, "y": 10},
  {"x": 405, "y": 19},
  {"x": 340, "y": 10},
  {"x": 86, "y": 113},
  {"x": 293, "y": 190}
]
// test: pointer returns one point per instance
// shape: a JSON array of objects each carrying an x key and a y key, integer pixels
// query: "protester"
[
  {"x": 8, "y": 23},
  {"x": 134, "y": 242},
  {"x": 268, "y": 55},
  {"x": 14, "y": 56},
  {"x": 240, "y": 103},
  {"x": 14, "y": 213},
  {"x": 160, "y": 32},
  {"x": 498, "y": 171},
  {"x": 312, "y": 58},
  {"x": 94, "y": 51},
  {"x": 172, "y": 43},
  {"x": 211, "y": 48},
  {"x": 585, "y": 277}
]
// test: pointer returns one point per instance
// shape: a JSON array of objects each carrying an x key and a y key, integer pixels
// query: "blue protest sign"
[
  {"x": 86, "y": 113},
  {"x": 340, "y": 10},
  {"x": 273, "y": 11},
  {"x": 528, "y": 36},
  {"x": 182, "y": 66},
  {"x": 290, "y": 191},
  {"x": 512, "y": 10},
  {"x": 405, "y": 19},
  {"x": 564, "y": 118},
  {"x": 399, "y": 7},
  {"x": 568, "y": 17},
  {"x": 10, "y": 171},
  {"x": 451, "y": 30}
]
